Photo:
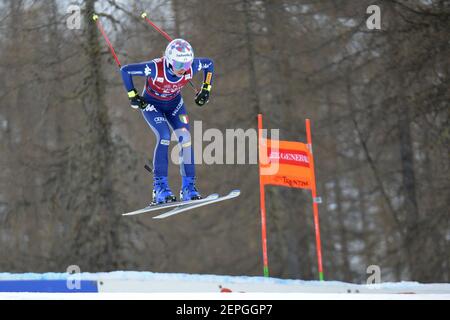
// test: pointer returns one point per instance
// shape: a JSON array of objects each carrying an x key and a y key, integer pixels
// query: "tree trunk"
[
  {"x": 96, "y": 240},
  {"x": 277, "y": 24},
  {"x": 253, "y": 80},
  {"x": 177, "y": 18}
]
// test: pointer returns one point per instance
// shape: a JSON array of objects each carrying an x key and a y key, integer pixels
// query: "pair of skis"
[{"x": 182, "y": 206}]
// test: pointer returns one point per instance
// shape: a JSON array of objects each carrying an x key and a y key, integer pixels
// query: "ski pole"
[
  {"x": 165, "y": 35},
  {"x": 100, "y": 27}
]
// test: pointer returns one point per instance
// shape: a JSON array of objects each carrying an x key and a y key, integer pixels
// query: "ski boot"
[
  {"x": 161, "y": 191},
  {"x": 188, "y": 190}
]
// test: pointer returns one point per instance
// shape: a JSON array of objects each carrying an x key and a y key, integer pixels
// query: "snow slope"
[{"x": 149, "y": 285}]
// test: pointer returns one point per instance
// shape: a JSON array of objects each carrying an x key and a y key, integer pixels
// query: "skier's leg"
[
  {"x": 158, "y": 123},
  {"x": 179, "y": 121}
]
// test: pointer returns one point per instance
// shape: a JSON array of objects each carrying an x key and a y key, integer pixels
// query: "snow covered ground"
[
  {"x": 163, "y": 286},
  {"x": 218, "y": 296}
]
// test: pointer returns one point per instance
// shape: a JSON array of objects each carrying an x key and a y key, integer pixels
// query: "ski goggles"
[{"x": 176, "y": 65}]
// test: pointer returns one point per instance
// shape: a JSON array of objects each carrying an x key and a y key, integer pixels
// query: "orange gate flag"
[
  {"x": 289, "y": 164},
  {"x": 285, "y": 163}
]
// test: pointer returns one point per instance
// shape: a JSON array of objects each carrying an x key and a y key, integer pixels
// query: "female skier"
[{"x": 163, "y": 106}]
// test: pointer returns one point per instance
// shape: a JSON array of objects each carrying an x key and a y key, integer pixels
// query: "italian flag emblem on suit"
[{"x": 184, "y": 118}]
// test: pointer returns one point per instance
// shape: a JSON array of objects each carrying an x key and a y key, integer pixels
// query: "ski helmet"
[{"x": 179, "y": 54}]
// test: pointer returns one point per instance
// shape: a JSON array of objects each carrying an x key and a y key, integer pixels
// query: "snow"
[
  {"x": 143, "y": 275},
  {"x": 217, "y": 296},
  {"x": 155, "y": 286}
]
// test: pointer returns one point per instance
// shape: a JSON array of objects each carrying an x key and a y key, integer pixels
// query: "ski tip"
[
  {"x": 128, "y": 214},
  {"x": 144, "y": 15},
  {"x": 94, "y": 17},
  {"x": 235, "y": 192}
]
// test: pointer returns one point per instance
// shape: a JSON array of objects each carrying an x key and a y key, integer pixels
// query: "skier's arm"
[
  {"x": 207, "y": 65},
  {"x": 145, "y": 69}
]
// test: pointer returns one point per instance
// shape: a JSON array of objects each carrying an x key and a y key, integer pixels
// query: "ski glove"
[
  {"x": 202, "y": 96},
  {"x": 136, "y": 100}
]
